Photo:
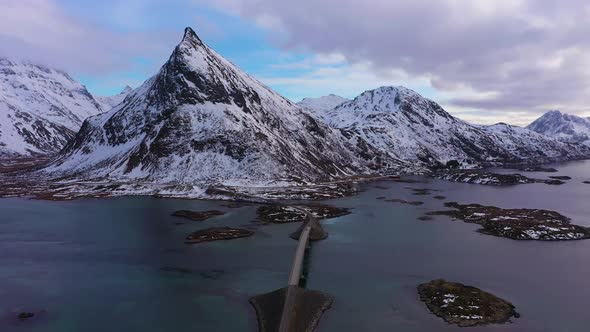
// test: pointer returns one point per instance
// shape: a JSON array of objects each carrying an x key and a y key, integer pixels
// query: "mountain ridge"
[
  {"x": 566, "y": 127},
  {"x": 416, "y": 129},
  {"x": 41, "y": 108},
  {"x": 201, "y": 119}
]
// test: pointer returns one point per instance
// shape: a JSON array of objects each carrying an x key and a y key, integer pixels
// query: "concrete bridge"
[{"x": 294, "y": 308}]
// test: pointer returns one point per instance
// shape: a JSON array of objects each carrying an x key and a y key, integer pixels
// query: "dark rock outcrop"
[
  {"x": 216, "y": 234},
  {"x": 465, "y": 305},
  {"x": 564, "y": 178},
  {"x": 26, "y": 315},
  {"x": 532, "y": 168},
  {"x": 491, "y": 179},
  {"x": 421, "y": 191},
  {"x": 403, "y": 201},
  {"x": 517, "y": 224},
  {"x": 197, "y": 215}
]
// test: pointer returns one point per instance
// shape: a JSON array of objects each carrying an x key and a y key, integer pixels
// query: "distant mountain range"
[
  {"x": 566, "y": 127},
  {"x": 409, "y": 127},
  {"x": 201, "y": 119}
]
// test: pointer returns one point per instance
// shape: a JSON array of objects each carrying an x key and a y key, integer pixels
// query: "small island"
[
  {"x": 563, "y": 177},
  {"x": 465, "y": 305},
  {"x": 491, "y": 179},
  {"x": 421, "y": 191},
  {"x": 517, "y": 224},
  {"x": 281, "y": 214},
  {"x": 532, "y": 168},
  {"x": 216, "y": 234},
  {"x": 403, "y": 201},
  {"x": 197, "y": 215},
  {"x": 26, "y": 315}
]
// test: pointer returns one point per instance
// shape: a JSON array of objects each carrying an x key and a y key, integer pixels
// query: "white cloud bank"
[
  {"x": 518, "y": 58},
  {"x": 42, "y": 31}
]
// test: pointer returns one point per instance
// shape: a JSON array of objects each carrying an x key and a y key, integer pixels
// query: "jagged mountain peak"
[
  {"x": 397, "y": 103},
  {"x": 566, "y": 127},
  {"x": 396, "y": 99},
  {"x": 190, "y": 43},
  {"x": 556, "y": 115},
  {"x": 385, "y": 93},
  {"x": 191, "y": 37},
  {"x": 201, "y": 119},
  {"x": 195, "y": 73}
]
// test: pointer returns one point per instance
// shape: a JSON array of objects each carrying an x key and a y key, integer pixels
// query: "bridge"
[{"x": 294, "y": 308}]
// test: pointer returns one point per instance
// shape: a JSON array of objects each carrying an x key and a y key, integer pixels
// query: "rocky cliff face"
[
  {"x": 566, "y": 127},
  {"x": 201, "y": 119},
  {"x": 40, "y": 108}
]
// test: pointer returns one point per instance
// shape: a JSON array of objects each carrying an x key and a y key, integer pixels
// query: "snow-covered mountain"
[
  {"x": 40, "y": 108},
  {"x": 526, "y": 144},
  {"x": 566, "y": 127},
  {"x": 412, "y": 128},
  {"x": 322, "y": 104},
  {"x": 201, "y": 119},
  {"x": 108, "y": 102}
]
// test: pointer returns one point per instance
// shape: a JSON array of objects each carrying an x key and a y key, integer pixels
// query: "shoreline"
[{"x": 27, "y": 183}]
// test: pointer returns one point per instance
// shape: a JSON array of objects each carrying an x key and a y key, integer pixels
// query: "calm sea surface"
[{"x": 120, "y": 264}]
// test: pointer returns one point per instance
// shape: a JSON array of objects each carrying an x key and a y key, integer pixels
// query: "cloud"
[
  {"x": 325, "y": 74},
  {"x": 525, "y": 55},
  {"x": 41, "y": 31}
]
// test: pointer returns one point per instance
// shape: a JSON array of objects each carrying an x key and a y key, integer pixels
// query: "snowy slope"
[
  {"x": 108, "y": 102},
  {"x": 412, "y": 128},
  {"x": 526, "y": 144},
  {"x": 40, "y": 108},
  {"x": 322, "y": 104},
  {"x": 566, "y": 127},
  {"x": 201, "y": 119}
]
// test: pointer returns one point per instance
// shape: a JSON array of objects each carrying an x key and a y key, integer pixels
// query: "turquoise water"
[{"x": 120, "y": 264}]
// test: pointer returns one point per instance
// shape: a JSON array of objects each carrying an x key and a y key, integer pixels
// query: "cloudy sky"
[{"x": 484, "y": 61}]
